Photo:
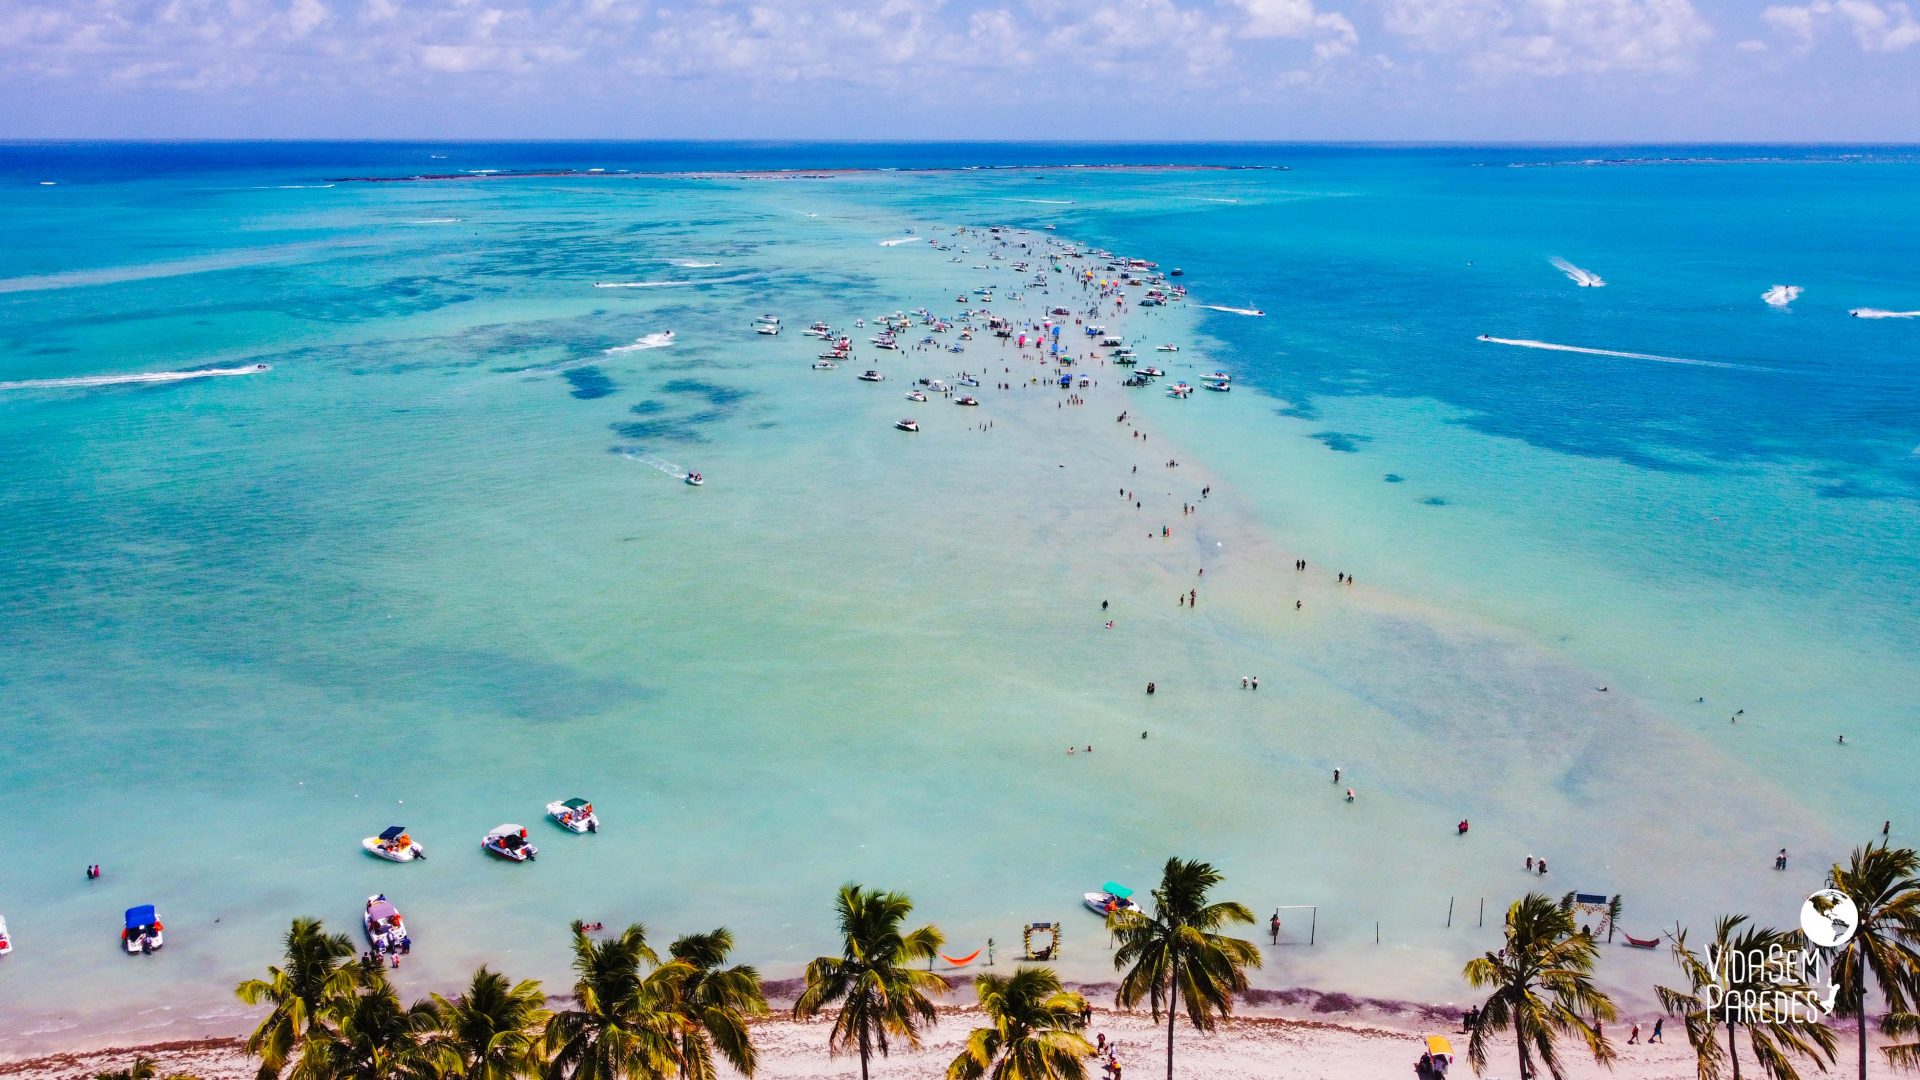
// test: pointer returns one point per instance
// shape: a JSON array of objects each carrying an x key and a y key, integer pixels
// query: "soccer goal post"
[{"x": 1283, "y": 926}]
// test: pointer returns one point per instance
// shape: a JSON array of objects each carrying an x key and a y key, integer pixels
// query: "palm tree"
[
  {"x": 374, "y": 1036},
  {"x": 880, "y": 995},
  {"x": 1033, "y": 1033},
  {"x": 493, "y": 1030},
  {"x": 316, "y": 975},
  {"x": 1774, "y": 1033},
  {"x": 1902, "y": 1025},
  {"x": 1882, "y": 884},
  {"x": 617, "y": 1028},
  {"x": 710, "y": 1003},
  {"x": 142, "y": 1068},
  {"x": 1178, "y": 954},
  {"x": 1542, "y": 987}
]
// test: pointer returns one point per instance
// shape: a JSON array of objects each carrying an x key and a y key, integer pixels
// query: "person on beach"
[
  {"x": 1780, "y": 860},
  {"x": 1273, "y": 926},
  {"x": 1658, "y": 1023},
  {"x": 1633, "y": 1038}
]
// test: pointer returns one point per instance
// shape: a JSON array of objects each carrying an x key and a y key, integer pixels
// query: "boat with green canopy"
[{"x": 1112, "y": 897}]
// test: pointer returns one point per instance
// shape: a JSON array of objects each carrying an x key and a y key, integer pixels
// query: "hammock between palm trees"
[{"x": 962, "y": 961}]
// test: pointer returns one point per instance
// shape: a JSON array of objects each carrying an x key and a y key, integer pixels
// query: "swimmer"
[
  {"x": 1349, "y": 794},
  {"x": 1600, "y": 689},
  {"x": 1336, "y": 776}
]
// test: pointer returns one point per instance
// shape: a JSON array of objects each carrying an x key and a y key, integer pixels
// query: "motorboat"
[
  {"x": 909, "y": 424},
  {"x": 694, "y": 479},
  {"x": 936, "y": 385},
  {"x": 969, "y": 400},
  {"x": 510, "y": 843},
  {"x": 386, "y": 928},
  {"x": 1218, "y": 385},
  {"x": 769, "y": 318},
  {"x": 144, "y": 932},
  {"x": 769, "y": 329},
  {"x": 1112, "y": 897},
  {"x": 1179, "y": 390},
  {"x": 915, "y": 395},
  {"x": 1150, "y": 372},
  {"x": 825, "y": 363},
  {"x": 859, "y": 324},
  {"x": 968, "y": 380},
  {"x": 1167, "y": 348},
  {"x": 6, "y": 943},
  {"x": 575, "y": 815},
  {"x": 1137, "y": 380},
  {"x": 1219, "y": 376},
  {"x": 1175, "y": 272},
  {"x": 887, "y": 343},
  {"x": 871, "y": 375},
  {"x": 394, "y": 845}
]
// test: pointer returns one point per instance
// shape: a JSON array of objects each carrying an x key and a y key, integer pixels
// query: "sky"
[{"x": 1438, "y": 70}]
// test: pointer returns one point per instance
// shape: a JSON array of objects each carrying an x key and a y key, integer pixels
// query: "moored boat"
[
  {"x": 386, "y": 929},
  {"x": 967, "y": 400},
  {"x": 144, "y": 932},
  {"x": 1220, "y": 385},
  {"x": 871, "y": 375},
  {"x": 1167, "y": 348},
  {"x": 510, "y": 843},
  {"x": 6, "y": 943},
  {"x": 1112, "y": 897},
  {"x": 909, "y": 424},
  {"x": 915, "y": 395},
  {"x": 575, "y": 815},
  {"x": 394, "y": 845}
]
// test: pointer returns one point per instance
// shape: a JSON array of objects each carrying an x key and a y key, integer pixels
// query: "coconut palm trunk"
[{"x": 1173, "y": 1011}]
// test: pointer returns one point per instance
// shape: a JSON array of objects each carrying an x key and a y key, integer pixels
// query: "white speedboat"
[
  {"x": 968, "y": 400},
  {"x": 888, "y": 343},
  {"x": 575, "y": 815},
  {"x": 871, "y": 375},
  {"x": 1219, "y": 385},
  {"x": 769, "y": 329},
  {"x": 859, "y": 324},
  {"x": 1112, "y": 897},
  {"x": 510, "y": 843},
  {"x": 824, "y": 364},
  {"x": 938, "y": 386},
  {"x": 908, "y": 424},
  {"x": 1219, "y": 376},
  {"x": 1167, "y": 348},
  {"x": 968, "y": 380},
  {"x": 6, "y": 943},
  {"x": 386, "y": 929},
  {"x": 915, "y": 395},
  {"x": 143, "y": 933},
  {"x": 1179, "y": 390},
  {"x": 694, "y": 479},
  {"x": 1150, "y": 372},
  {"x": 394, "y": 845}
]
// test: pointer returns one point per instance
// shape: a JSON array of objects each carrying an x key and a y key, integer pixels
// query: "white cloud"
[
  {"x": 1332, "y": 32},
  {"x": 1554, "y": 37},
  {"x": 1877, "y": 27}
]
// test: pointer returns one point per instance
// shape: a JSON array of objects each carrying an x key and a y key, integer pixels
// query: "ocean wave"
[
  {"x": 1586, "y": 279},
  {"x": 431, "y": 221},
  {"x": 1781, "y": 295},
  {"x": 1047, "y": 202},
  {"x": 1233, "y": 310},
  {"x": 694, "y": 264},
  {"x": 898, "y": 240},
  {"x": 1525, "y": 343},
  {"x": 83, "y": 382},
  {"x": 1877, "y": 313},
  {"x": 652, "y": 341}
]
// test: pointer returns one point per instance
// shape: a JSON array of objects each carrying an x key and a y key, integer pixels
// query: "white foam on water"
[
  {"x": 1781, "y": 295},
  {"x": 694, "y": 264},
  {"x": 1525, "y": 343},
  {"x": 662, "y": 464},
  {"x": 670, "y": 284},
  {"x": 652, "y": 341},
  {"x": 1877, "y": 313},
  {"x": 83, "y": 382},
  {"x": 1586, "y": 279},
  {"x": 898, "y": 240},
  {"x": 1047, "y": 202},
  {"x": 431, "y": 221},
  {"x": 1233, "y": 310}
]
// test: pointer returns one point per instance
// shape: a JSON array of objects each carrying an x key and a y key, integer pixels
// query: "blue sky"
[{"x": 1564, "y": 70}]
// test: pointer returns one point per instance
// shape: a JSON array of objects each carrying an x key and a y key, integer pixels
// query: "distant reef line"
[{"x": 780, "y": 174}]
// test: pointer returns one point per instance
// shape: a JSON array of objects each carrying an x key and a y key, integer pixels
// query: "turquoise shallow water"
[{"x": 425, "y": 569}]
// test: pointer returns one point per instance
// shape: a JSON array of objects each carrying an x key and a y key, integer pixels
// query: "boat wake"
[
  {"x": 898, "y": 240},
  {"x": 83, "y": 382},
  {"x": 432, "y": 221},
  {"x": 1524, "y": 343},
  {"x": 670, "y": 284},
  {"x": 652, "y": 341},
  {"x": 1586, "y": 279},
  {"x": 1876, "y": 313},
  {"x": 651, "y": 462},
  {"x": 694, "y": 264},
  {"x": 1781, "y": 295},
  {"x": 1233, "y": 310}
]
